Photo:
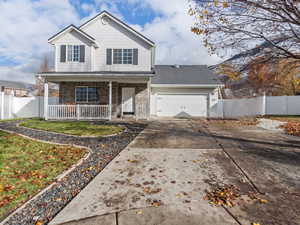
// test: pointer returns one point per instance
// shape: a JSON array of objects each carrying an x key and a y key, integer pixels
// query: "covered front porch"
[{"x": 98, "y": 98}]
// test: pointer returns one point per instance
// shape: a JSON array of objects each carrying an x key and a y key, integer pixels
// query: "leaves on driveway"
[{"x": 223, "y": 196}]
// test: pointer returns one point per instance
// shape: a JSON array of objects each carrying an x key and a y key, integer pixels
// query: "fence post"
[
  {"x": 287, "y": 105},
  {"x": 78, "y": 111},
  {"x": 10, "y": 104},
  {"x": 264, "y": 104},
  {"x": 46, "y": 94},
  {"x": 2, "y": 104}
]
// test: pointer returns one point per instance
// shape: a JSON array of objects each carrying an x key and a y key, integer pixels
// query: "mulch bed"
[{"x": 103, "y": 149}]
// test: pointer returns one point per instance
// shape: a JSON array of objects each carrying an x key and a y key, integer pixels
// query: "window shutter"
[
  {"x": 135, "y": 56},
  {"x": 108, "y": 56},
  {"x": 62, "y": 53},
  {"x": 82, "y": 53}
]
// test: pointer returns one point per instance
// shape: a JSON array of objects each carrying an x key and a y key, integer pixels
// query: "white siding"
[
  {"x": 72, "y": 38},
  {"x": 112, "y": 35}
]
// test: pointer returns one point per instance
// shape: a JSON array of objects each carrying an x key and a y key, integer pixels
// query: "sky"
[{"x": 26, "y": 26}]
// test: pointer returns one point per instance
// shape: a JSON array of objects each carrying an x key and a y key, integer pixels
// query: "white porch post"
[
  {"x": 110, "y": 100},
  {"x": 148, "y": 113},
  {"x": 46, "y": 100}
]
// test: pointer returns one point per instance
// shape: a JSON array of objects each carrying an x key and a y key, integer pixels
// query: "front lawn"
[
  {"x": 78, "y": 128},
  {"x": 28, "y": 166}
]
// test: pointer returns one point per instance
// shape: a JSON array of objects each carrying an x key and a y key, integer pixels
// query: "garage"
[
  {"x": 181, "y": 105},
  {"x": 184, "y": 91}
]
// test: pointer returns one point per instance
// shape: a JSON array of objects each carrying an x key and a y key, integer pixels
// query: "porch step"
[{"x": 128, "y": 116}]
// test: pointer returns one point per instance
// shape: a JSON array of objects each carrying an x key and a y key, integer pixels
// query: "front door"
[{"x": 128, "y": 100}]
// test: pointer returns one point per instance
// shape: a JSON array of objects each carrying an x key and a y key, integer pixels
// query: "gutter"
[{"x": 188, "y": 85}]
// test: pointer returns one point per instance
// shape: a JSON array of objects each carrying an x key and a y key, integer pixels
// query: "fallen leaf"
[
  {"x": 132, "y": 160},
  {"x": 139, "y": 212},
  {"x": 4, "y": 201},
  {"x": 263, "y": 201},
  {"x": 156, "y": 203},
  {"x": 39, "y": 223},
  {"x": 9, "y": 187},
  {"x": 179, "y": 195}
]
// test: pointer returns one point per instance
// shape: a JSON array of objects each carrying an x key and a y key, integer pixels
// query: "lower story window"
[{"x": 86, "y": 94}]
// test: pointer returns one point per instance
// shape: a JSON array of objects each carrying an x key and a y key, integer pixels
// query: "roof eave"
[{"x": 68, "y": 29}]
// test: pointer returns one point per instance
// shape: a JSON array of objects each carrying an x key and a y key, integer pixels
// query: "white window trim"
[
  {"x": 87, "y": 96},
  {"x": 122, "y": 56},
  {"x": 72, "y": 54}
]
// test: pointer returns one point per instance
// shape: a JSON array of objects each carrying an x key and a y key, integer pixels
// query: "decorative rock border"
[{"x": 48, "y": 203}]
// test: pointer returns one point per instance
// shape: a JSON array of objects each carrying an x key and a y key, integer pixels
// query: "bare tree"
[
  {"x": 271, "y": 27},
  {"x": 44, "y": 67}
]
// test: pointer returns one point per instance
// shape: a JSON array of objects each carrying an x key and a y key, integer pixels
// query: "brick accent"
[{"x": 67, "y": 94}]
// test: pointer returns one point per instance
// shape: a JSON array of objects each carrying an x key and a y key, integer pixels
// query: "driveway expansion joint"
[{"x": 250, "y": 181}]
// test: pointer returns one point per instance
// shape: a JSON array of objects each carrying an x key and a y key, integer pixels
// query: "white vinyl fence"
[
  {"x": 259, "y": 106},
  {"x": 23, "y": 107}
]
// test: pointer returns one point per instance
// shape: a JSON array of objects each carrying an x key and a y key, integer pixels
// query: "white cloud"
[
  {"x": 26, "y": 26},
  {"x": 176, "y": 44}
]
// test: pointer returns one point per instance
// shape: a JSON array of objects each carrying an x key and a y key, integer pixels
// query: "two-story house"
[{"x": 105, "y": 69}]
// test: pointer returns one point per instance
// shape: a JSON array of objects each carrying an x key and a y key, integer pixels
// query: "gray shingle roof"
[{"x": 184, "y": 74}]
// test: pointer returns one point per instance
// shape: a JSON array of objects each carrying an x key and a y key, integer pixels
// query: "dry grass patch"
[{"x": 235, "y": 122}]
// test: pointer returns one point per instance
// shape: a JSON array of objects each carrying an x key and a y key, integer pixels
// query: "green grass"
[
  {"x": 28, "y": 166},
  {"x": 79, "y": 128}
]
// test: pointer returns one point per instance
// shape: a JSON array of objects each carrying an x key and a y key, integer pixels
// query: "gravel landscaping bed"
[{"x": 103, "y": 149}]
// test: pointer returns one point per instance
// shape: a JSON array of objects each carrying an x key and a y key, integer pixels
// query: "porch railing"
[{"x": 78, "y": 112}]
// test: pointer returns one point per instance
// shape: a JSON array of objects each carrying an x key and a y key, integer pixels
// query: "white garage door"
[{"x": 182, "y": 105}]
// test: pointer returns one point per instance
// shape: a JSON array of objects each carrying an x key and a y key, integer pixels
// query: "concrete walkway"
[{"x": 159, "y": 179}]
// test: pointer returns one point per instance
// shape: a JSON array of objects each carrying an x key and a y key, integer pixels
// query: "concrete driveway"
[
  {"x": 272, "y": 161},
  {"x": 162, "y": 177}
]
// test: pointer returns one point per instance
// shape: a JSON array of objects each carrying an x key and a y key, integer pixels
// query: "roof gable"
[
  {"x": 119, "y": 22},
  {"x": 69, "y": 29}
]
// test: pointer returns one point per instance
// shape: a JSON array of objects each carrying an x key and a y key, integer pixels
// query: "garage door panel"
[{"x": 181, "y": 105}]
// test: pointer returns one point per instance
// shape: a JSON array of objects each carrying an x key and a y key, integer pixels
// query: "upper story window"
[
  {"x": 122, "y": 56},
  {"x": 72, "y": 53},
  {"x": 127, "y": 56},
  {"x": 118, "y": 56}
]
